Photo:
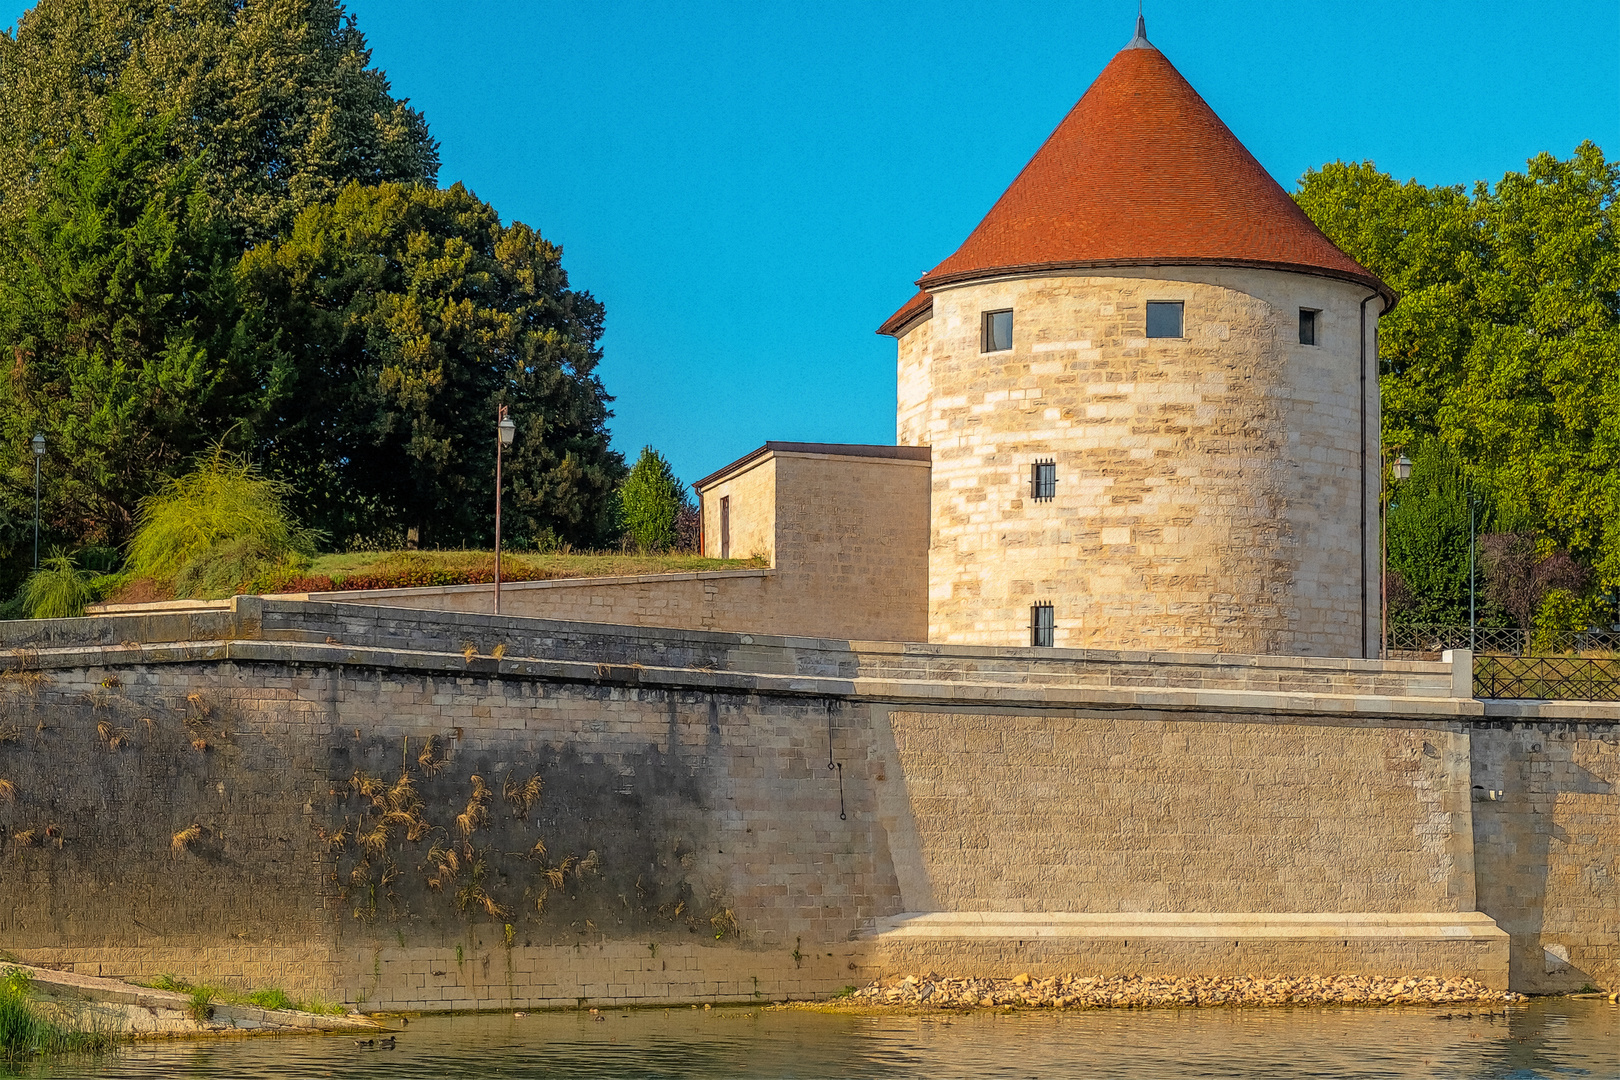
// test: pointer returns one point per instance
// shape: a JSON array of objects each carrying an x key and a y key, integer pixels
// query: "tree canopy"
[
  {"x": 396, "y": 319},
  {"x": 118, "y": 319},
  {"x": 274, "y": 100},
  {"x": 218, "y": 228},
  {"x": 1505, "y": 347}
]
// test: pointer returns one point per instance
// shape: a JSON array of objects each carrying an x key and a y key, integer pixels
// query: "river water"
[{"x": 1552, "y": 1038}]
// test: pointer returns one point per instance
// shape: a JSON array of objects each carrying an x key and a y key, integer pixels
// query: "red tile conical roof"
[{"x": 1141, "y": 172}]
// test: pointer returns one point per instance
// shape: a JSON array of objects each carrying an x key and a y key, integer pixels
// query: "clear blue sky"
[{"x": 751, "y": 188}]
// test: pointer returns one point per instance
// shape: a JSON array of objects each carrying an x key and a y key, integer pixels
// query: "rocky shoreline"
[{"x": 1136, "y": 991}]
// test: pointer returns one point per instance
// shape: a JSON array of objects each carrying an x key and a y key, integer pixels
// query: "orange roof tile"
[{"x": 1141, "y": 172}]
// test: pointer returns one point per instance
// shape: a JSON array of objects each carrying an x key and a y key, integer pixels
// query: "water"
[{"x": 1556, "y": 1038}]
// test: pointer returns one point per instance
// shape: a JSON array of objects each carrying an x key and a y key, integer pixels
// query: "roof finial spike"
[{"x": 1140, "y": 41}]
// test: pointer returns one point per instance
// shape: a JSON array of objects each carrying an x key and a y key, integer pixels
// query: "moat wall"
[{"x": 217, "y": 795}]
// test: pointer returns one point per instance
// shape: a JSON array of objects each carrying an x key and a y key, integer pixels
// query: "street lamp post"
[
  {"x": 1402, "y": 468},
  {"x": 504, "y": 431},
  {"x": 38, "y": 443}
]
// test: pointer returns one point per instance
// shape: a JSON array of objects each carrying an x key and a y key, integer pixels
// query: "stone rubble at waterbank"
[{"x": 1128, "y": 991}]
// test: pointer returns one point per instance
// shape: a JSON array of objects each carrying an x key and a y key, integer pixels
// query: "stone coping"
[
  {"x": 1424, "y": 925},
  {"x": 254, "y": 607},
  {"x": 330, "y": 633},
  {"x": 921, "y": 693},
  {"x": 341, "y": 595}
]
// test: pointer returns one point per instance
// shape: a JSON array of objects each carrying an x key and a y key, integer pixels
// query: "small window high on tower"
[
  {"x": 1164, "y": 318},
  {"x": 996, "y": 332},
  {"x": 1307, "y": 326}
]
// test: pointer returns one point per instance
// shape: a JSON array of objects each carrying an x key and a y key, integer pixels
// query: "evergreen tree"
[
  {"x": 394, "y": 321},
  {"x": 118, "y": 318},
  {"x": 1428, "y": 537},
  {"x": 650, "y": 502},
  {"x": 274, "y": 98}
]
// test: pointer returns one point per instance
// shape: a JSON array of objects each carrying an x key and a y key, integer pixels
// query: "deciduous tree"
[{"x": 395, "y": 320}]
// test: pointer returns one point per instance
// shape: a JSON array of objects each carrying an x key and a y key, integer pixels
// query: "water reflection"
[{"x": 1544, "y": 1039}]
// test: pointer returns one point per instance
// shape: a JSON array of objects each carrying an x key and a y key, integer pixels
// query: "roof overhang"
[
  {"x": 871, "y": 451},
  {"x": 1057, "y": 269}
]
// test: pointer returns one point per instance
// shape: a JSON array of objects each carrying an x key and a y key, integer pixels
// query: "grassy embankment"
[
  {"x": 415, "y": 569},
  {"x": 26, "y": 1032}
]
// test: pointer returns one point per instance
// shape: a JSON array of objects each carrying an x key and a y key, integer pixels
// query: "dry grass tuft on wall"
[{"x": 185, "y": 838}]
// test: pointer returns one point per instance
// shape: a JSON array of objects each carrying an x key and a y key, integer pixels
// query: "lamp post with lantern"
[
  {"x": 505, "y": 429},
  {"x": 38, "y": 444},
  {"x": 1401, "y": 468}
]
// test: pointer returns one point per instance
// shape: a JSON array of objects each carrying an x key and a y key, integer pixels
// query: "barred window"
[
  {"x": 1042, "y": 626},
  {"x": 996, "y": 333},
  {"x": 1043, "y": 481}
]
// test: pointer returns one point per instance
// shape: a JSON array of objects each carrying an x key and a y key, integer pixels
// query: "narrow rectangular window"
[
  {"x": 1307, "y": 326},
  {"x": 1042, "y": 626},
  {"x": 1043, "y": 481},
  {"x": 1164, "y": 318},
  {"x": 725, "y": 526},
  {"x": 997, "y": 331}
]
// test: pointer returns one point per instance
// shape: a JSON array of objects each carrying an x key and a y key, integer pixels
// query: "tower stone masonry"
[{"x": 1217, "y": 480}]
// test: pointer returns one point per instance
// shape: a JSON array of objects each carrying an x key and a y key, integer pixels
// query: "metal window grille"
[
  {"x": 1043, "y": 481},
  {"x": 1042, "y": 626},
  {"x": 997, "y": 331},
  {"x": 1164, "y": 318},
  {"x": 1307, "y": 326}
]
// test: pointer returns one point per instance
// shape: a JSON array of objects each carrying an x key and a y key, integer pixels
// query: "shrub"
[
  {"x": 216, "y": 529},
  {"x": 57, "y": 590}
]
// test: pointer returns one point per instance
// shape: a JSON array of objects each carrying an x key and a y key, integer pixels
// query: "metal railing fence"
[
  {"x": 1547, "y": 678},
  {"x": 1417, "y": 641}
]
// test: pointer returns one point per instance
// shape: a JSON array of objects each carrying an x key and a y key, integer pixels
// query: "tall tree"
[
  {"x": 1506, "y": 344},
  {"x": 118, "y": 317},
  {"x": 395, "y": 320},
  {"x": 275, "y": 99}
]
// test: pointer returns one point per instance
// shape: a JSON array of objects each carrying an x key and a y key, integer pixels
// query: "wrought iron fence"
[
  {"x": 1547, "y": 678},
  {"x": 1418, "y": 641}
]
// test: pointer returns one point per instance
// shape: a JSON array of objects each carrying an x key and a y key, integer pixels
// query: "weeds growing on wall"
[
  {"x": 25, "y": 1032},
  {"x": 437, "y": 843}
]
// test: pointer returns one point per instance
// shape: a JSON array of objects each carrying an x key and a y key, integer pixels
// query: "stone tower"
[{"x": 1149, "y": 385}]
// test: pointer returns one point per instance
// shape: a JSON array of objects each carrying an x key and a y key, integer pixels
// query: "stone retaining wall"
[{"x": 695, "y": 839}]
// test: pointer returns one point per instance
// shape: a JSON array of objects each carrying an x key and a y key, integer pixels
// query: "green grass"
[
  {"x": 408, "y": 569},
  {"x": 26, "y": 1033},
  {"x": 203, "y": 997},
  {"x": 563, "y": 565}
]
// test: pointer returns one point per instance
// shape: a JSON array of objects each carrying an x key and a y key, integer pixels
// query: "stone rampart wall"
[
  {"x": 1097, "y": 814},
  {"x": 217, "y": 794}
]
